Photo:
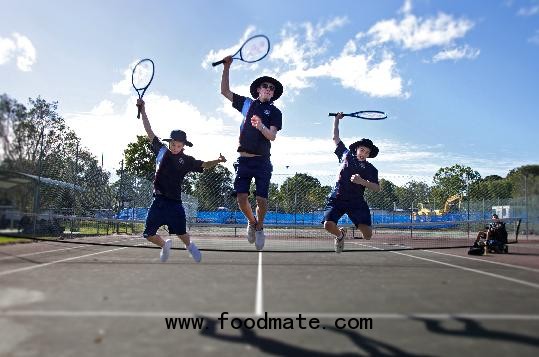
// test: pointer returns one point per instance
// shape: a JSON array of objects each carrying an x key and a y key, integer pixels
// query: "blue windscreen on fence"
[{"x": 304, "y": 219}]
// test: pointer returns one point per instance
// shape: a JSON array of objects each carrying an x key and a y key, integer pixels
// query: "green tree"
[
  {"x": 413, "y": 193},
  {"x": 491, "y": 187},
  {"x": 11, "y": 112},
  {"x": 386, "y": 199},
  {"x": 453, "y": 180},
  {"x": 524, "y": 178},
  {"x": 38, "y": 142},
  {"x": 139, "y": 158},
  {"x": 303, "y": 193},
  {"x": 273, "y": 197},
  {"x": 36, "y": 134},
  {"x": 213, "y": 188}
]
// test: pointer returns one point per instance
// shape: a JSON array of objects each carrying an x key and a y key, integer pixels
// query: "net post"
[{"x": 517, "y": 229}]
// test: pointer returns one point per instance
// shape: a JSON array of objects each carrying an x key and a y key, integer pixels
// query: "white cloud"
[
  {"x": 369, "y": 69},
  {"x": 302, "y": 151},
  {"x": 291, "y": 52},
  {"x": 535, "y": 38},
  {"x": 7, "y": 49},
  {"x": 217, "y": 55},
  {"x": 27, "y": 53},
  {"x": 528, "y": 11},
  {"x": 299, "y": 47},
  {"x": 414, "y": 33},
  {"x": 104, "y": 130},
  {"x": 229, "y": 111},
  {"x": 107, "y": 130},
  {"x": 106, "y": 107},
  {"x": 315, "y": 32},
  {"x": 302, "y": 44},
  {"x": 299, "y": 52},
  {"x": 19, "y": 47},
  {"x": 226, "y": 107},
  {"x": 360, "y": 72},
  {"x": 456, "y": 54},
  {"x": 315, "y": 156},
  {"x": 406, "y": 7},
  {"x": 124, "y": 86}
]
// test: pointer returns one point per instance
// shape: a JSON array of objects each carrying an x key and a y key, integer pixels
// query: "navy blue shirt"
[
  {"x": 345, "y": 189},
  {"x": 252, "y": 140},
  {"x": 170, "y": 170}
]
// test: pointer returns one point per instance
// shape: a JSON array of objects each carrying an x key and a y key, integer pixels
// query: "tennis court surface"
[{"x": 76, "y": 299}]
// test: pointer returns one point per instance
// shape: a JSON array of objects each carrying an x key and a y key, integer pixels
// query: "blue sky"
[{"x": 458, "y": 78}]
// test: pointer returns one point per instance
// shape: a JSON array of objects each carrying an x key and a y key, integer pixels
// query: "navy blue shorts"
[
  {"x": 247, "y": 168},
  {"x": 165, "y": 211},
  {"x": 358, "y": 211}
]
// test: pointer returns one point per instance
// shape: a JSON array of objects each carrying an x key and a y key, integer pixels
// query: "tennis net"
[
  {"x": 407, "y": 215},
  {"x": 279, "y": 238}
]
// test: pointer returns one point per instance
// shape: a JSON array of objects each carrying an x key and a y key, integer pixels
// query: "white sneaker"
[
  {"x": 165, "y": 250},
  {"x": 260, "y": 238},
  {"x": 339, "y": 241},
  {"x": 194, "y": 252},
  {"x": 251, "y": 229}
]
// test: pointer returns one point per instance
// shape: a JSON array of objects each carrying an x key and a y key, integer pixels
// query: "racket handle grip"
[
  {"x": 332, "y": 114},
  {"x": 138, "y": 115},
  {"x": 217, "y": 63}
]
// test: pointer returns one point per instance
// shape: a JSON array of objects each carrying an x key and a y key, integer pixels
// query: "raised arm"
[
  {"x": 145, "y": 121},
  {"x": 336, "y": 138},
  {"x": 225, "y": 78}
]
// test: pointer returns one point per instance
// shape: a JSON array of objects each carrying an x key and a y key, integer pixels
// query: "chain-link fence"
[
  {"x": 66, "y": 199},
  {"x": 52, "y": 187}
]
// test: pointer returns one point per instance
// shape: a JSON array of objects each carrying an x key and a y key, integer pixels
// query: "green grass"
[
  {"x": 91, "y": 228},
  {"x": 10, "y": 240}
]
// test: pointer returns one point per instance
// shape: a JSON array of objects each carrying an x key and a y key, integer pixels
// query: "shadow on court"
[
  {"x": 368, "y": 346},
  {"x": 473, "y": 329}
]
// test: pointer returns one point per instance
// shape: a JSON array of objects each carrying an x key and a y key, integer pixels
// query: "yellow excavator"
[
  {"x": 449, "y": 205},
  {"x": 422, "y": 211}
]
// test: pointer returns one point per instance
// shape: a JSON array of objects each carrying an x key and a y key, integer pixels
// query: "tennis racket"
[
  {"x": 252, "y": 50},
  {"x": 365, "y": 114},
  {"x": 142, "y": 77}
]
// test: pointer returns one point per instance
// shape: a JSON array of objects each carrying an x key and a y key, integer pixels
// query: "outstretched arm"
[
  {"x": 225, "y": 78},
  {"x": 213, "y": 163},
  {"x": 336, "y": 138},
  {"x": 145, "y": 121}
]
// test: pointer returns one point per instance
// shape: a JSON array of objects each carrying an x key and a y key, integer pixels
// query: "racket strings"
[
  {"x": 255, "y": 49},
  {"x": 142, "y": 75},
  {"x": 372, "y": 115}
]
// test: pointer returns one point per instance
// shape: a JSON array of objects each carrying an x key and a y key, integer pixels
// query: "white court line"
[
  {"x": 523, "y": 282},
  {"x": 486, "y": 261},
  {"x": 42, "y": 252},
  {"x": 55, "y": 262},
  {"x": 322, "y": 315},
  {"x": 259, "y": 298},
  {"x": 519, "y": 281}
]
